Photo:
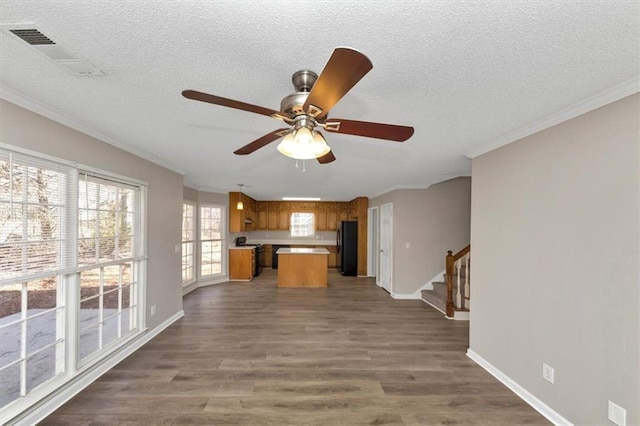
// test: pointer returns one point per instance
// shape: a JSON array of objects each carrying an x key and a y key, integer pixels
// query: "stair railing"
[{"x": 457, "y": 265}]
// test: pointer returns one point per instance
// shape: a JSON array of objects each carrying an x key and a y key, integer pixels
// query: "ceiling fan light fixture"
[{"x": 303, "y": 144}]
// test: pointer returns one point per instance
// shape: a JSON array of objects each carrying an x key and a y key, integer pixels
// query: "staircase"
[{"x": 451, "y": 296}]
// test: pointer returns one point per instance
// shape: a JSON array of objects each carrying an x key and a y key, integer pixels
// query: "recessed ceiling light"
[{"x": 301, "y": 198}]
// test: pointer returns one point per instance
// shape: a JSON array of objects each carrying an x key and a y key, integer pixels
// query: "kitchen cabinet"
[
  {"x": 332, "y": 220},
  {"x": 343, "y": 214},
  {"x": 241, "y": 220},
  {"x": 241, "y": 263},
  {"x": 283, "y": 220},
  {"x": 333, "y": 256},
  {"x": 263, "y": 219},
  {"x": 302, "y": 267},
  {"x": 268, "y": 253},
  {"x": 276, "y": 215},
  {"x": 272, "y": 220},
  {"x": 321, "y": 217}
]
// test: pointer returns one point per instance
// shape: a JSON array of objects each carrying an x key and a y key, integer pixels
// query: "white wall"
[
  {"x": 555, "y": 228},
  {"x": 431, "y": 221},
  {"x": 22, "y": 128}
]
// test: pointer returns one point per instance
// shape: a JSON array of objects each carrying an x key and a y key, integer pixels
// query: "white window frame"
[
  {"x": 67, "y": 359},
  {"x": 298, "y": 227},
  {"x": 133, "y": 311},
  {"x": 202, "y": 241},
  {"x": 186, "y": 243}
]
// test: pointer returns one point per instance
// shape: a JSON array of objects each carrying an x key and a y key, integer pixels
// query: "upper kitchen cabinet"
[
  {"x": 245, "y": 219},
  {"x": 321, "y": 217},
  {"x": 263, "y": 215}
]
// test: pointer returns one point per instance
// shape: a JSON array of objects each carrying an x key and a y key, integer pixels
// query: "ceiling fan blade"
[
  {"x": 260, "y": 142},
  {"x": 343, "y": 70},
  {"x": 217, "y": 100},
  {"x": 391, "y": 132},
  {"x": 327, "y": 158}
]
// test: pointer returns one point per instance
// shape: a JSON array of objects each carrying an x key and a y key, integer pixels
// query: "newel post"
[{"x": 450, "y": 305}]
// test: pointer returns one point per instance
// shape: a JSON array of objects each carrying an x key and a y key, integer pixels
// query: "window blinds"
[{"x": 37, "y": 232}]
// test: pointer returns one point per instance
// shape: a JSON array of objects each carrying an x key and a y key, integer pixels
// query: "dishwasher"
[{"x": 274, "y": 254}]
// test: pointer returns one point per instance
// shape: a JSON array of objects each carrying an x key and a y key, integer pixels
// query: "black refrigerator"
[{"x": 347, "y": 242}]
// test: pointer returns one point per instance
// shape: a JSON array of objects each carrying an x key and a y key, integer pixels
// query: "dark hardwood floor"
[{"x": 253, "y": 354}]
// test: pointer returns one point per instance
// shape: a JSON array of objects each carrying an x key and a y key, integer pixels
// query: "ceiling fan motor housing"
[{"x": 302, "y": 81}]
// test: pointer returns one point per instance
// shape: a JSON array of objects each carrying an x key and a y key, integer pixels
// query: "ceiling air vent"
[{"x": 53, "y": 51}]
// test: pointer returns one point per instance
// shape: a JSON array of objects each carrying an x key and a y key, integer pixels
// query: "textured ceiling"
[{"x": 465, "y": 74}]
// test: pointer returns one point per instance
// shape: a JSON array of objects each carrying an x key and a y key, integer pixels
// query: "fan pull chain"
[{"x": 304, "y": 166}]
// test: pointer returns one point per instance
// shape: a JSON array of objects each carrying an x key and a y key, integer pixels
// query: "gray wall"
[
  {"x": 25, "y": 129},
  {"x": 555, "y": 220},
  {"x": 432, "y": 221},
  {"x": 189, "y": 194}
]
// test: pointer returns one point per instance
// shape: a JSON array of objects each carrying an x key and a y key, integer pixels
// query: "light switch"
[
  {"x": 177, "y": 248},
  {"x": 407, "y": 245}
]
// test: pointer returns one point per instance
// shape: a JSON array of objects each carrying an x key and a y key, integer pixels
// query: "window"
[
  {"x": 70, "y": 268},
  {"x": 35, "y": 258},
  {"x": 107, "y": 234},
  {"x": 302, "y": 224},
  {"x": 211, "y": 240},
  {"x": 188, "y": 243}
]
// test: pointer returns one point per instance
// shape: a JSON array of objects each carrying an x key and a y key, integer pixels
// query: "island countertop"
[{"x": 301, "y": 250}]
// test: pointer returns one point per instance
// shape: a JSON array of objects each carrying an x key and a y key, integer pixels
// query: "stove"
[{"x": 259, "y": 254}]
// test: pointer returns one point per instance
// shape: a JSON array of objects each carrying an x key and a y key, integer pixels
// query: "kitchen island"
[{"x": 302, "y": 267}]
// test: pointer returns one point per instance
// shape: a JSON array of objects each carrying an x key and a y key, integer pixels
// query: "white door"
[
  {"x": 386, "y": 247},
  {"x": 372, "y": 243}
]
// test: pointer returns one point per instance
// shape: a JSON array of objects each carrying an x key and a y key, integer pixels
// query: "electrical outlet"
[
  {"x": 617, "y": 414},
  {"x": 547, "y": 373},
  {"x": 153, "y": 310}
]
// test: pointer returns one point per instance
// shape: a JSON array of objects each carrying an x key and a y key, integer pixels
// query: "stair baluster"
[{"x": 454, "y": 264}]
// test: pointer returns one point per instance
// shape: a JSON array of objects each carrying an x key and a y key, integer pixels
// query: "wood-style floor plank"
[{"x": 249, "y": 353}]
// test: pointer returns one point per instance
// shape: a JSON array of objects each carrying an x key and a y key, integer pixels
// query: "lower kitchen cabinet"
[
  {"x": 241, "y": 263},
  {"x": 333, "y": 256},
  {"x": 268, "y": 253}
]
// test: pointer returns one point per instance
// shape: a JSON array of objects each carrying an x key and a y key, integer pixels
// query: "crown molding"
[
  {"x": 32, "y": 105},
  {"x": 608, "y": 96}
]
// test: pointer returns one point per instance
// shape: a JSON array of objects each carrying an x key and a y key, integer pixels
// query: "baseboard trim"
[
  {"x": 524, "y": 394},
  {"x": 405, "y": 296},
  {"x": 39, "y": 412},
  {"x": 207, "y": 283}
]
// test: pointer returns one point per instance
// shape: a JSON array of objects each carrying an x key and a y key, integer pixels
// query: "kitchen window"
[
  {"x": 188, "y": 243},
  {"x": 211, "y": 240},
  {"x": 302, "y": 224}
]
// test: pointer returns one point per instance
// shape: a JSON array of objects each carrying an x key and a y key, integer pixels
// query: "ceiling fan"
[{"x": 307, "y": 109}]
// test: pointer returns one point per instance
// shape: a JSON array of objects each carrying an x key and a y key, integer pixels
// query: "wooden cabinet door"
[
  {"x": 321, "y": 220},
  {"x": 263, "y": 219},
  {"x": 273, "y": 220},
  {"x": 343, "y": 215},
  {"x": 283, "y": 219},
  {"x": 332, "y": 220},
  {"x": 268, "y": 254},
  {"x": 333, "y": 254},
  {"x": 241, "y": 264}
]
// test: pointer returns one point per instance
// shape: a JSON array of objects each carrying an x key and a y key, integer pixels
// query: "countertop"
[
  {"x": 302, "y": 242},
  {"x": 285, "y": 250},
  {"x": 241, "y": 248}
]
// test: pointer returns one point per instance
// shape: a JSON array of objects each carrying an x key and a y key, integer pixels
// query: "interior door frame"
[
  {"x": 390, "y": 231},
  {"x": 373, "y": 242}
]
